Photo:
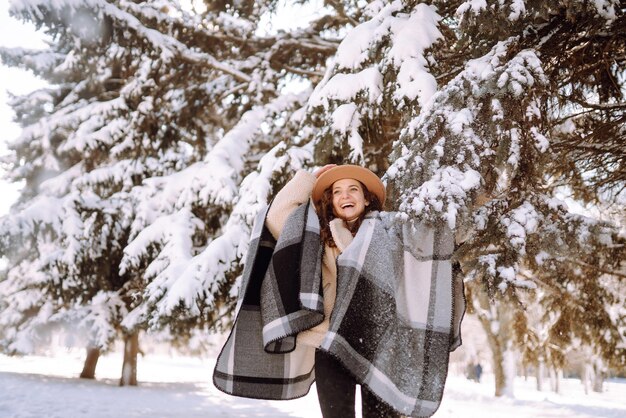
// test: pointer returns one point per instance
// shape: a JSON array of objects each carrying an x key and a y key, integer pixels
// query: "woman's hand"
[{"x": 324, "y": 169}]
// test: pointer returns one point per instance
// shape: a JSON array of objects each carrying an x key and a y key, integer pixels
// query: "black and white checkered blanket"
[{"x": 396, "y": 316}]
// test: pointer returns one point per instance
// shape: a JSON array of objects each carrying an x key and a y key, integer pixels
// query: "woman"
[
  {"x": 340, "y": 295},
  {"x": 342, "y": 198}
]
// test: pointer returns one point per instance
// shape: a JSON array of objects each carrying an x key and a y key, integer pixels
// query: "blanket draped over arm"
[{"x": 396, "y": 317}]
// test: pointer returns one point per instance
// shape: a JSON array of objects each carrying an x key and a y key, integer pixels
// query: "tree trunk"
[
  {"x": 129, "y": 368},
  {"x": 509, "y": 368},
  {"x": 555, "y": 379},
  {"x": 598, "y": 382},
  {"x": 498, "y": 369},
  {"x": 540, "y": 373},
  {"x": 497, "y": 319},
  {"x": 89, "y": 368},
  {"x": 586, "y": 376},
  {"x": 598, "y": 375}
]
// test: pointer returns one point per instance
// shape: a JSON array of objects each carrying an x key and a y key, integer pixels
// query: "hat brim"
[{"x": 362, "y": 174}]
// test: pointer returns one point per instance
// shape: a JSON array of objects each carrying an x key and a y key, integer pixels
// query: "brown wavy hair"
[{"x": 324, "y": 208}]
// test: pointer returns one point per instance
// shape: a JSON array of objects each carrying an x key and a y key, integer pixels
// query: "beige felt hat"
[{"x": 362, "y": 174}]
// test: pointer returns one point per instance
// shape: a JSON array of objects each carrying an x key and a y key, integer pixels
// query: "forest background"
[{"x": 164, "y": 127}]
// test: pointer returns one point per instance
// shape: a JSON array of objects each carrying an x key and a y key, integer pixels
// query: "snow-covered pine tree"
[
  {"x": 488, "y": 132},
  {"x": 166, "y": 112},
  {"x": 32, "y": 292},
  {"x": 380, "y": 76},
  {"x": 186, "y": 279},
  {"x": 571, "y": 316},
  {"x": 191, "y": 271},
  {"x": 475, "y": 152},
  {"x": 108, "y": 138}
]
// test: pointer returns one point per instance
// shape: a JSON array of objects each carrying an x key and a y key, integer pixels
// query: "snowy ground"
[{"x": 181, "y": 387}]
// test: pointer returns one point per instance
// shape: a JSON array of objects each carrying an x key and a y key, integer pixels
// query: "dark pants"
[{"x": 336, "y": 388}]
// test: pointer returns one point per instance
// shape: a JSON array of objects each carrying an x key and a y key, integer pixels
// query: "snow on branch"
[
  {"x": 164, "y": 219},
  {"x": 464, "y": 129},
  {"x": 169, "y": 46},
  {"x": 96, "y": 319},
  {"x": 536, "y": 233},
  {"x": 381, "y": 66},
  {"x": 215, "y": 180},
  {"x": 195, "y": 280},
  {"x": 512, "y": 9},
  {"x": 40, "y": 62},
  {"x": 407, "y": 36},
  {"x": 43, "y": 209},
  {"x": 31, "y": 227},
  {"x": 515, "y": 10},
  {"x": 87, "y": 116},
  {"x": 344, "y": 87}
]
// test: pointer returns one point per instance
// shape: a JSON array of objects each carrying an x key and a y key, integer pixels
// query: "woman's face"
[{"x": 348, "y": 199}]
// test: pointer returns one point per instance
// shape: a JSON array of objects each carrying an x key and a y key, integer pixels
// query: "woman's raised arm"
[{"x": 296, "y": 192}]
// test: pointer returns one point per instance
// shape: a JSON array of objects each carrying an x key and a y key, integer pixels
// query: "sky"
[{"x": 13, "y": 33}]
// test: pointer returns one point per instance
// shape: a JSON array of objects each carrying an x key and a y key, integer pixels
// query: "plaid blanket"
[{"x": 395, "y": 319}]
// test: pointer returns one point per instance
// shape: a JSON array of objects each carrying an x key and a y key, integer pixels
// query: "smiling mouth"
[{"x": 347, "y": 205}]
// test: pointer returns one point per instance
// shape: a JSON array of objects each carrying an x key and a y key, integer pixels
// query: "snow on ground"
[{"x": 181, "y": 387}]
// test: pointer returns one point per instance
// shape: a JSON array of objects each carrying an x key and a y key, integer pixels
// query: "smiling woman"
[
  {"x": 339, "y": 195},
  {"x": 338, "y": 291},
  {"x": 13, "y": 81},
  {"x": 349, "y": 200}
]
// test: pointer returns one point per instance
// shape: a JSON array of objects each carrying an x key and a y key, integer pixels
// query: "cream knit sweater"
[{"x": 296, "y": 192}]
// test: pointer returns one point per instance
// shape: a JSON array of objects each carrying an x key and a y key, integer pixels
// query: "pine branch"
[
  {"x": 551, "y": 288},
  {"x": 204, "y": 58},
  {"x": 303, "y": 72},
  {"x": 341, "y": 11},
  {"x": 596, "y": 106},
  {"x": 171, "y": 44},
  {"x": 597, "y": 268},
  {"x": 233, "y": 90}
]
